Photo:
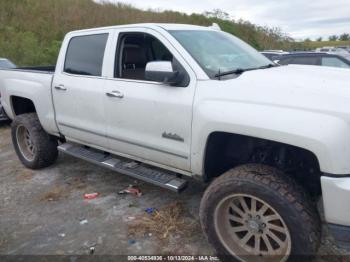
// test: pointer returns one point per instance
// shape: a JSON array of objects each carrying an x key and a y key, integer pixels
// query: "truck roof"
[{"x": 165, "y": 26}]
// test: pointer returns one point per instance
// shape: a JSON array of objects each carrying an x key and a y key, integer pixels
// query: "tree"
[
  {"x": 319, "y": 39},
  {"x": 217, "y": 13},
  {"x": 344, "y": 37},
  {"x": 307, "y": 40},
  {"x": 333, "y": 38}
]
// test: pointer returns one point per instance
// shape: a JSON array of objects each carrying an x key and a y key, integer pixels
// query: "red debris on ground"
[{"x": 91, "y": 195}]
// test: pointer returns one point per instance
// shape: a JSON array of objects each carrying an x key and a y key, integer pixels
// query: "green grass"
[{"x": 315, "y": 44}]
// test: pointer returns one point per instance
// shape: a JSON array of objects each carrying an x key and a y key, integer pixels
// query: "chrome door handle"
[
  {"x": 60, "y": 87},
  {"x": 116, "y": 94}
]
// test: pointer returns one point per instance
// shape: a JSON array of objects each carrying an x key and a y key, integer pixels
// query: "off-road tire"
[
  {"x": 46, "y": 145},
  {"x": 280, "y": 192}
]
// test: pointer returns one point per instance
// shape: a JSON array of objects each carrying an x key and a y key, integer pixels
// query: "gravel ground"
[{"x": 44, "y": 212}]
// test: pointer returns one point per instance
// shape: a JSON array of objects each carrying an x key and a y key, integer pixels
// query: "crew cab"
[{"x": 163, "y": 102}]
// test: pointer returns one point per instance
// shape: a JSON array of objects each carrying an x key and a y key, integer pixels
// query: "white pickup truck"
[{"x": 162, "y": 102}]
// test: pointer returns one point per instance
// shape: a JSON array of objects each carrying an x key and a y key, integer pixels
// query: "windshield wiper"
[{"x": 239, "y": 71}]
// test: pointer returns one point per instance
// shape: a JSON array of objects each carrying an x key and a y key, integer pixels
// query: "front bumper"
[{"x": 336, "y": 197}]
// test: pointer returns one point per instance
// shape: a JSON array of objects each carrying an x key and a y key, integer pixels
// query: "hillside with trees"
[
  {"x": 308, "y": 45},
  {"x": 31, "y": 31},
  {"x": 333, "y": 40}
]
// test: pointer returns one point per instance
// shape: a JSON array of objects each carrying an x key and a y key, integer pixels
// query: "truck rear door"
[{"x": 78, "y": 88}]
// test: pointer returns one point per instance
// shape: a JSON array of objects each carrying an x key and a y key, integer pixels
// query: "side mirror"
[
  {"x": 277, "y": 62},
  {"x": 162, "y": 71}
]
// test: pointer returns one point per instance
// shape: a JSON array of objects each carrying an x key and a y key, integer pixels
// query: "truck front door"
[{"x": 148, "y": 120}]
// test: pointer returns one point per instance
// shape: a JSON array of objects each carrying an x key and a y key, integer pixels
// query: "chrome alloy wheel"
[
  {"x": 250, "y": 229},
  {"x": 25, "y": 143}
]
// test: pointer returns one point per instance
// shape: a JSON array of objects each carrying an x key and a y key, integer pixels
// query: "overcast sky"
[{"x": 298, "y": 18}]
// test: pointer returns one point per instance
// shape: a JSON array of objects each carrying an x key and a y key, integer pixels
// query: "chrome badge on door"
[{"x": 172, "y": 136}]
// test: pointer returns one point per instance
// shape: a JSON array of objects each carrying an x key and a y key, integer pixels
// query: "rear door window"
[{"x": 85, "y": 55}]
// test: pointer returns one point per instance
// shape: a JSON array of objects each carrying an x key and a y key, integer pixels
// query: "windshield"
[
  {"x": 216, "y": 51},
  {"x": 4, "y": 63}
]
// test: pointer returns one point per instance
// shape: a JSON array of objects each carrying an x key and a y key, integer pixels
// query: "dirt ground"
[{"x": 44, "y": 212}]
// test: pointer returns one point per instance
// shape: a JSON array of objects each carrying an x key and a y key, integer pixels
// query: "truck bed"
[
  {"x": 33, "y": 83},
  {"x": 34, "y": 69}
]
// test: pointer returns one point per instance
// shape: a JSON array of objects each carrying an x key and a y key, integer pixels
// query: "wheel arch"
[
  {"x": 21, "y": 105},
  {"x": 226, "y": 150}
]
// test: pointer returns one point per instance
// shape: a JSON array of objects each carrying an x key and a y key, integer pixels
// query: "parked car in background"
[
  {"x": 312, "y": 58},
  {"x": 334, "y": 51},
  {"x": 273, "y": 54},
  {"x": 346, "y": 48},
  {"x": 5, "y": 63}
]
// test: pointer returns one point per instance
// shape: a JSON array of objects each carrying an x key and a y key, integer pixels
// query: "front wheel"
[
  {"x": 255, "y": 212},
  {"x": 34, "y": 147}
]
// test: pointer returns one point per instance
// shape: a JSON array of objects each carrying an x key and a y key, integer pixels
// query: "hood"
[
  {"x": 311, "y": 88},
  {"x": 301, "y": 76}
]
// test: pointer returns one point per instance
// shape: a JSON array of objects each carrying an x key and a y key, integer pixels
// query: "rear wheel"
[
  {"x": 255, "y": 212},
  {"x": 34, "y": 147}
]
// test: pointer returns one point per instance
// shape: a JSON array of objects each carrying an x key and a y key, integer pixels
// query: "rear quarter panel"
[{"x": 32, "y": 85}]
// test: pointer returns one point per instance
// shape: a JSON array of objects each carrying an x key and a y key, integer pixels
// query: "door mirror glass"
[{"x": 162, "y": 71}]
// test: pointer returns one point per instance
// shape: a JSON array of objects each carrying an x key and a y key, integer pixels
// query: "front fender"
[{"x": 327, "y": 136}]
